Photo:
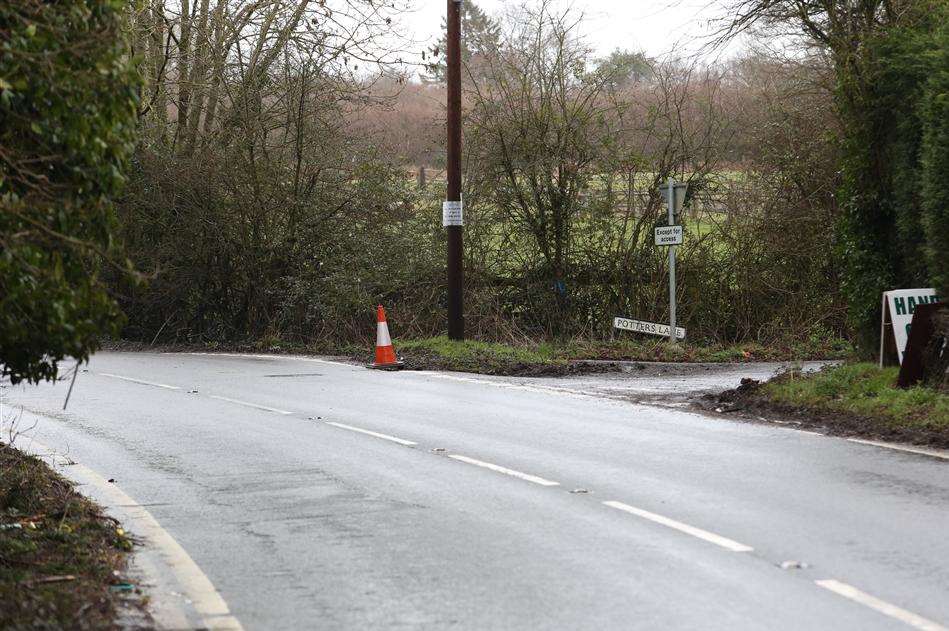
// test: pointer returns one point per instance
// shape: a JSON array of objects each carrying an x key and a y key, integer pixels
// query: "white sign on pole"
[
  {"x": 679, "y": 190},
  {"x": 650, "y": 328},
  {"x": 453, "y": 214},
  {"x": 898, "y": 309},
  {"x": 669, "y": 235}
]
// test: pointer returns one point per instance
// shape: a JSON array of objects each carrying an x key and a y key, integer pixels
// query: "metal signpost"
[
  {"x": 666, "y": 236},
  {"x": 453, "y": 211},
  {"x": 671, "y": 235}
]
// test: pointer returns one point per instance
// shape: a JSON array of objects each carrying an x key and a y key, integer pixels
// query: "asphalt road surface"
[{"x": 320, "y": 495}]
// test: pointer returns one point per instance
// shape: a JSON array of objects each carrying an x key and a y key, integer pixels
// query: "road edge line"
[
  {"x": 305, "y": 358},
  {"x": 919, "y": 451},
  {"x": 511, "y": 386},
  {"x": 200, "y": 591}
]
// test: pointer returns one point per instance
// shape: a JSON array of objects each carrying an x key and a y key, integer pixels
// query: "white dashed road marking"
[
  {"x": 251, "y": 405},
  {"x": 887, "y": 609},
  {"x": 705, "y": 535},
  {"x": 401, "y": 441},
  {"x": 511, "y": 472},
  {"x": 139, "y": 381}
]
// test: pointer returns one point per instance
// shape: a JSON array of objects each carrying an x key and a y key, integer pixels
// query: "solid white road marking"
[
  {"x": 934, "y": 453},
  {"x": 139, "y": 381},
  {"x": 887, "y": 609},
  {"x": 407, "y": 443},
  {"x": 511, "y": 386},
  {"x": 705, "y": 535},
  {"x": 511, "y": 472},
  {"x": 251, "y": 405},
  {"x": 265, "y": 356},
  {"x": 205, "y": 599}
]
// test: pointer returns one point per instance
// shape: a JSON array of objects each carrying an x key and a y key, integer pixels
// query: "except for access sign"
[
  {"x": 650, "y": 328},
  {"x": 669, "y": 235}
]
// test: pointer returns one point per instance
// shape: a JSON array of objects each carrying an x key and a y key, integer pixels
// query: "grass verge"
[
  {"x": 549, "y": 358},
  {"x": 60, "y": 557},
  {"x": 440, "y": 353},
  {"x": 857, "y": 399},
  {"x": 659, "y": 350},
  {"x": 558, "y": 358}
]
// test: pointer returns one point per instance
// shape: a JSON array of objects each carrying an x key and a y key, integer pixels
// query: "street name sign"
[
  {"x": 650, "y": 328},
  {"x": 668, "y": 235},
  {"x": 898, "y": 308}
]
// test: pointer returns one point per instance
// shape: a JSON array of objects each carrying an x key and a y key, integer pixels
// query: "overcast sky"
[{"x": 656, "y": 27}]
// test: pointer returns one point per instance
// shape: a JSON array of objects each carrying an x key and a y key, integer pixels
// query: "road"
[{"x": 320, "y": 495}]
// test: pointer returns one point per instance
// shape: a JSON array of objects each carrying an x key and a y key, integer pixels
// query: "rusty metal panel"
[{"x": 920, "y": 335}]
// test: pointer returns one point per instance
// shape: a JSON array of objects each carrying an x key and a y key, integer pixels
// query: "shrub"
[{"x": 68, "y": 107}]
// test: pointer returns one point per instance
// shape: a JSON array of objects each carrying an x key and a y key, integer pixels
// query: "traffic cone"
[{"x": 385, "y": 352}]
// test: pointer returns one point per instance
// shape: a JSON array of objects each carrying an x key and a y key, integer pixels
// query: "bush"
[
  {"x": 895, "y": 226},
  {"x": 68, "y": 106},
  {"x": 272, "y": 223},
  {"x": 239, "y": 258},
  {"x": 935, "y": 166}
]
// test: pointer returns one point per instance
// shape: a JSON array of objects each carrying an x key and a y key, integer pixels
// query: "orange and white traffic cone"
[{"x": 385, "y": 352}]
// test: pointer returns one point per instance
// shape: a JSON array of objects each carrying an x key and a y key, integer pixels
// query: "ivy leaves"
[{"x": 68, "y": 103}]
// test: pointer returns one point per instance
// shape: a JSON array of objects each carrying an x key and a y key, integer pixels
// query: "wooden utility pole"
[
  {"x": 672, "y": 264},
  {"x": 452, "y": 213}
]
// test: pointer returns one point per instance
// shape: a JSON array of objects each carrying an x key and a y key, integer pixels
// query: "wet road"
[{"x": 316, "y": 494}]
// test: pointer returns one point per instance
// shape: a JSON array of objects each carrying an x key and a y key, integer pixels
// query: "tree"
[
  {"x": 883, "y": 53},
  {"x": 68, "y": 103},
  {"x": 209, "y": 66},
  {"x": 253, "y": 185},
  {"x": 538, "y": 128},
  {"x": 881, "y": 99},
  {"x": 480, "y": 37},
  {"x": 934, "y": 160},
  {"x": 625, "y": 68}
]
